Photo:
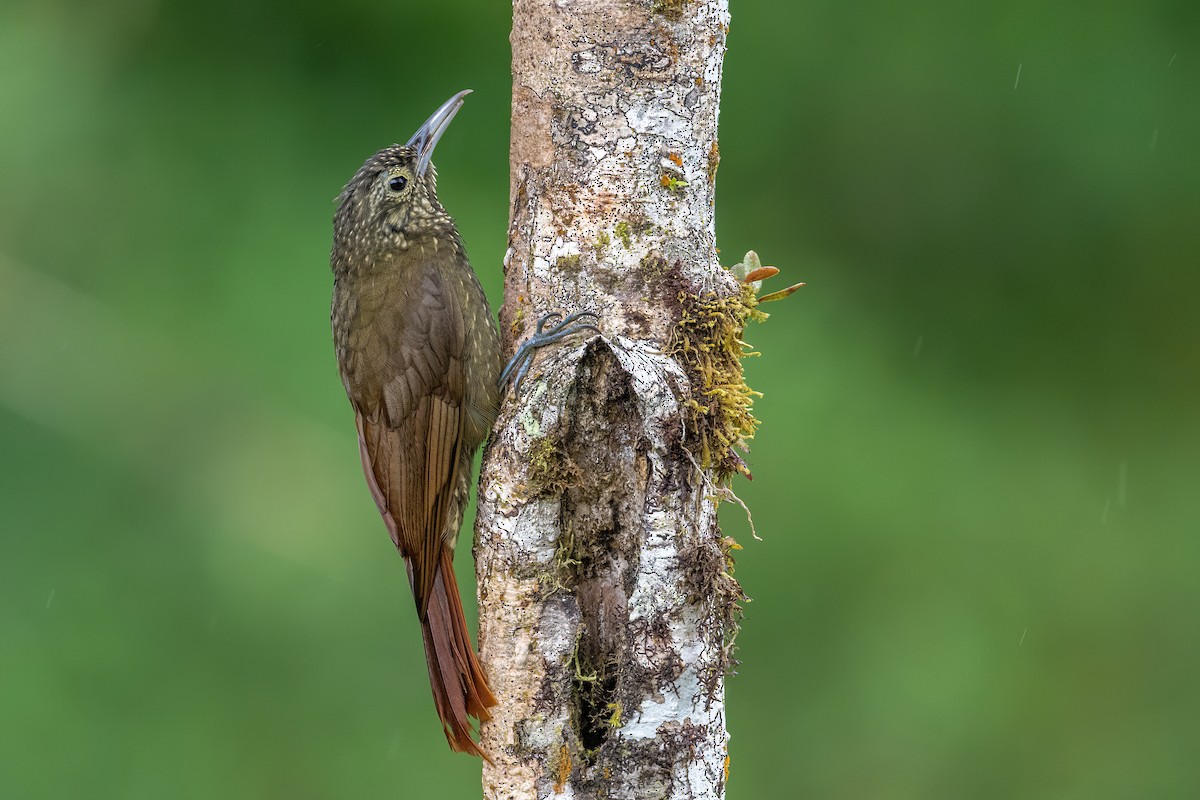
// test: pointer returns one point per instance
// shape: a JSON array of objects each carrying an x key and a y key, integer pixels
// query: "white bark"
[{"x": 606, "y": 609}]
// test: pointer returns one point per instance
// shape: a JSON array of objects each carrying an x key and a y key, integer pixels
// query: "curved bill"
[{"x": 426, "y": 137}]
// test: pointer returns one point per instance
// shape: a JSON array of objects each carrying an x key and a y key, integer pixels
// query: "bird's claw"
[{"x": 563, "y": 328}]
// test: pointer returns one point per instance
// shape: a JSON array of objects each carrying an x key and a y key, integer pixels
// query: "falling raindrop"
[{"x": 1122, "y": 481}]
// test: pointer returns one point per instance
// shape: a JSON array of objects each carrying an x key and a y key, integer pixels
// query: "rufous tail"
[{"x": 460, "y": 689}]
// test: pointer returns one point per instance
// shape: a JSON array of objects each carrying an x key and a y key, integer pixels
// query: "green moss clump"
[
  {"x": 624, "y": 233},
  {"x": 708, "y": 342},
  {"x": 653, "y": 267},
  {"x": 626, "y": 229},
  {"x": 551, "y": 472},
  {"x": 602, "y": 241}
]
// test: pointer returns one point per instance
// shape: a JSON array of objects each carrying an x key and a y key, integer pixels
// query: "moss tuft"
[
  {"x": 614, "y": 721},
  {"x": 708, "y": 342},
  {"x": 671, "y": 9},
  {"x": 551, "y": 472},
  {"x": 653, "y": 267},
  {"x": 593, "y": 686},
  {"x": 623, "y": 233},
  {"x": 627, "y": 229}
]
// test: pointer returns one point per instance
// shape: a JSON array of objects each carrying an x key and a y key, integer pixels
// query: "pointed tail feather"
[{"x": 460, "y": 689}]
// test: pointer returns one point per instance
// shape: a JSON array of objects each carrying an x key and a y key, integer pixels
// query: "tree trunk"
[{"x": 607, "y": 605}]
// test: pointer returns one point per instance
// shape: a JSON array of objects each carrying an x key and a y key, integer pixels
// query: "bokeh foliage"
[{"x": 976, "y": 477}]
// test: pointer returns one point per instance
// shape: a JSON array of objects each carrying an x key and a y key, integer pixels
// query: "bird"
[
  {"x": 420, "y": 358},
  {"x": 419, "y": 355}
]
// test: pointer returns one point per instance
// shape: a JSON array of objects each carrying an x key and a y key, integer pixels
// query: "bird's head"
[{"x": 393, "y": 196}]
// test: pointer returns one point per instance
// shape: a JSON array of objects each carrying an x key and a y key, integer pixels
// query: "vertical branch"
[{"x": 606, "y": 607}]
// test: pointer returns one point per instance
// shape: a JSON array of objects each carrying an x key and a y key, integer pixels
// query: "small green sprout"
[
  {"x": 752, "y": 273},
  {"x": 673, "y": 184}
]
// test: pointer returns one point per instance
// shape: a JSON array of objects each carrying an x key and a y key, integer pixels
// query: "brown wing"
[{"x": 410, "y": 422}]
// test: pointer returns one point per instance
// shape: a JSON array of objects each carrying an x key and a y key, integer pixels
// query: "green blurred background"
[{"x": 976, "y": 478}]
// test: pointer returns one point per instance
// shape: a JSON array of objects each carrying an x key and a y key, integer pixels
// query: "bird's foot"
[{"x": 519, "y": 364}]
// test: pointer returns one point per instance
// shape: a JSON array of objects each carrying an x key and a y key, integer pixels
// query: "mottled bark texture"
[{"x": 607, "y": 609}]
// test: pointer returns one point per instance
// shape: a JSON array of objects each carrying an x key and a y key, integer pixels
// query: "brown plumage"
[{"x": 419, "y": 356}]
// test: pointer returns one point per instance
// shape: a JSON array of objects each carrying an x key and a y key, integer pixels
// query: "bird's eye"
[{"x": 397, "y": 183}]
